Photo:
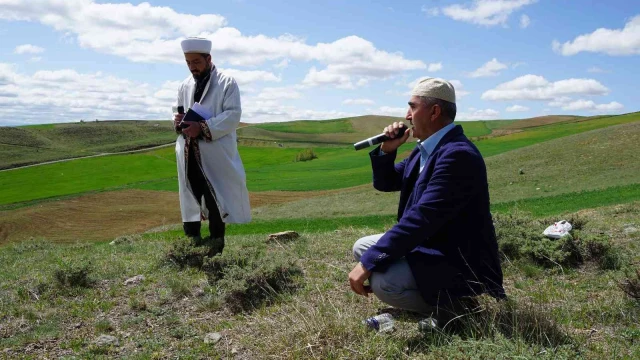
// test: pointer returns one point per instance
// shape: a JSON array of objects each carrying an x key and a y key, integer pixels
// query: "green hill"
[
  {"x": 34, "y": 144},
  {"x": 268, "y": 168},
  {"x": 570, "y": 173}
]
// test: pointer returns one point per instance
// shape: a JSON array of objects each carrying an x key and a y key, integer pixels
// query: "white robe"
[{"x": 221, "y": 161}]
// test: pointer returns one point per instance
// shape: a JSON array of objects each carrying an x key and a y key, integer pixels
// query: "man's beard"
[{"x": 201, "y": 75}]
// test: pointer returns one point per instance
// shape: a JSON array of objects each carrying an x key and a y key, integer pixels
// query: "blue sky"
[{"x": 62, "y": 61}]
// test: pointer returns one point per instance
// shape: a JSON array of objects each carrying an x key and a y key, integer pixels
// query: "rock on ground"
[
  {"x": 212, "y": 338},
  {"x": 134, "y": 280},
  {"x": 284, "y": 235},
  {"x": 106, "y": 340}
]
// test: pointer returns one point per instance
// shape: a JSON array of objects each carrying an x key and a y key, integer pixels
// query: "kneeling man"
[{"x": 443, "y": 248}]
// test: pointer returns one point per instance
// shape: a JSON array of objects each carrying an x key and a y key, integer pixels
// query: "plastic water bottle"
[{"x": 381, "y": 323}]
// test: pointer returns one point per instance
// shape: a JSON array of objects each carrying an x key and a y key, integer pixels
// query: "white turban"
[
  {"x": 196, "y": 45},
  {"x": 435, "y": 88}
]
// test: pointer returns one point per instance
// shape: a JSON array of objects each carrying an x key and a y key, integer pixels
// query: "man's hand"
[
  {"x": 176, "y": 120},
  {"x": 357, "y": 277},
  {"x": 391, "y": 131},
  {"x": 193, "y": 129}
]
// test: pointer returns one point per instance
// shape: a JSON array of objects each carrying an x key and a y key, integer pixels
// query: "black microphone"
[{"x": 378, "y": 139}]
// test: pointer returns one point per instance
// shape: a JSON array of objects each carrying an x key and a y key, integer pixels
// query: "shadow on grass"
[{"x": 527, "y": 323}]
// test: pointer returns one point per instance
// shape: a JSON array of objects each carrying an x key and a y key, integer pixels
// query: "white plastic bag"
[{"x": 558, "y": 229}]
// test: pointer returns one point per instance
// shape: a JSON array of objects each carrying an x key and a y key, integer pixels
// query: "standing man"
[
  {"x": 443, "y": 248},
  {"x": 211, "y": 176}
]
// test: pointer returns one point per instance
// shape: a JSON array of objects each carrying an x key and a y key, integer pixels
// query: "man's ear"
[{"x": 437, "y": 111}]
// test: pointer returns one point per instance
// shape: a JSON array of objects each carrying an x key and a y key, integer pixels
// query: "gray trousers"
[{"x": 396, "y": 286}]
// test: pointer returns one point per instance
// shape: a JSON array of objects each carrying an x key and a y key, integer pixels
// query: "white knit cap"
[
  {"x": 435, "y": 88},
  {"x": 196, "y": 45}
]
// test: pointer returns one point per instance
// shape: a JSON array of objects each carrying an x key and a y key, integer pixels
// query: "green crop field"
[
  {"x": 336, "y": 167},
  {"x": 501, "y": 144}
]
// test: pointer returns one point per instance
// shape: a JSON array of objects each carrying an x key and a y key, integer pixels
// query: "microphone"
[{"x": 377, "y": 139}]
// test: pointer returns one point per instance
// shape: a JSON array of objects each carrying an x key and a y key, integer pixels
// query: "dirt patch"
[
  {"x": 93, "y": 217},
  {"x": 279, "y": 197},
  {"x": 106, "y": 216}
]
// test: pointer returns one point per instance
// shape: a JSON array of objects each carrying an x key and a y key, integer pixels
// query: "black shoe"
[
  {"x": 197, "y": 240},
  {"x": 216, "y": 245}
]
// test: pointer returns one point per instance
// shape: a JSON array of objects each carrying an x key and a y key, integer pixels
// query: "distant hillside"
[
  {"x": 555, "y": 176},
  {"x": 34, "y": 144},
  {"x": 346, "y": 131},
  {"x": 591, "y": 160},
  {"x": 40, "y": 143}
]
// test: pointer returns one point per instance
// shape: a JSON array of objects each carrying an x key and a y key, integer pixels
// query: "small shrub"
[
  {"x": 216, "y": 266},
  {"x": 183, "y": 253},
  {"x": 179, "y": 288},
  {"x": 599, "y": 249},
  {"x": 103, "y": 326},
  {"x": 631, "y": 285},
  {"x": 73, "y": 274},
  {"x": 577, "y": 223},
  {"x": 246, "y": 289},
  {"x": 520, "y": 237},
  {"x": 137, "y": 304},
  {"x": 246, "y": 279},
  {"x": 306, "y": 155}
]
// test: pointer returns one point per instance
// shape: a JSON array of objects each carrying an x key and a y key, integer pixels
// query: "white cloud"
[
  {"x": 146, "y": 33},
  {"x": 275, "y": 93},
  {"x": 257, "y": 111},
  {"x": 478, "y": 114},
  {"x": 435, "y": 67},
  {"x": 327, "y": 77},
  {"x": 491, "y": 68},
  {"x": 358, "y": 102},
  {"x": 249, "y": 76},
  {"x": 525, "y": 21},
  {"x": 625, "y": 41},
  {"x": 67, "y": 95},
  {"x": 389, "y": 111},
  {"x": 534, "y": 87},
  {"x": 517, "y": 108},
  {"x": 582, "y": 104},
  {"x": 485, "y": 12},
  {"x": 460, "y": 91},
  {"x": 430, "y": 11},
  {"x": 28, "y": 49}
]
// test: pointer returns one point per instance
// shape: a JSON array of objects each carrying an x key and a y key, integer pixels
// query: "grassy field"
[
  {"x": 309, "y": 126},
  {"x": 84, "y": 175},
  {"x": 62, "y": 289},
  {"x": 553, "y": 312},
  {"x": 274, "y": 169},
  {"x": 156, "y": 170},
  {"x": 34, "y": 144},
  {"x": 501, "y": 144}
]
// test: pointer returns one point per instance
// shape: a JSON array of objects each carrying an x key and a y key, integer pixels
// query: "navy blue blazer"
[{"x": 445, "y": 207}]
